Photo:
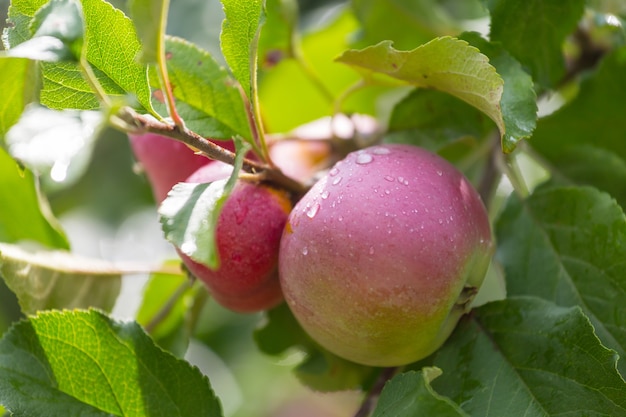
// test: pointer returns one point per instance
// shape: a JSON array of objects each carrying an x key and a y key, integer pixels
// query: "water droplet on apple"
[
  {"x": 312, "y": 211},
  {"x": 333, "y": 172},
  {"x": 371, "y": 250},
  {"x": 364, "y": 158},
  {"x": 389, "y": 178},
  {"x": 305, "y": 251},
  {"x": 379, "y": 150},
  {"x": 337, "y": 180},
  {"x": 325, "y": 194},
  {"x": 440, "y": 173}
]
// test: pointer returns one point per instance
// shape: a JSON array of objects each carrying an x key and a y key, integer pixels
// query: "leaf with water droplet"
[{"x": 568, "y": 245}]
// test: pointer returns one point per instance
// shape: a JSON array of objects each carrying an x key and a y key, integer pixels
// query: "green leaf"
[
  {"x": 112, "y": 48},
  {"x": 45, "y": 280},
  {"x": 410, "y": 394},
  {"x": 189, "y": 217},
  {"x": 534, "y": 31},
  {"x": 57, "y": 31},
  {"x": 208, "y": 97},
  {"x": 23, "y": 213},
  {"x": 320, "y": 370},
  {"x": 57, "y": 145},
  {"x": 528, "y": 357},
  {"x": 446, "y": 64},
  {"x": 18, "y": 82},
  {"x": 240, "y": 32},
  {"x": 568, "y": 245},
  {"x": 150, "y": 18},
  {"x": 171, "y": 293},
  {"x": 519, "y": 100},
  {"x": 584, "y": 140},
  {"x": 434, "y": 120},
  {"x": 84, "y": 363},
  {"x": 278, "y": 32},
  {"x": 414, "y": 21}
]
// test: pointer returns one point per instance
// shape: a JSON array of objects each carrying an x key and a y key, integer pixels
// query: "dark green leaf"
[
  {"x": 18, "y": 82},
  {"x": 410, "y": 394},
  {"x": 150, "y": 18},
  {"x": 280, "y": 331},
  {"x": 528, "y": 357},
  {"x": 23, "y": 213},
  {"x": 446, "y": 64},
  {"x": 208, "y": 96},
  {"x": 414, "y": 21},
  {"x": 519, "y": 101},
  {"x": 57, "y": 145},
  {"x": 83, "y": 363},
  {"x": 568, "y": 245},
  {"x": 534, "y": 31},
  {"x": 46, "y": 280},
  {"x": 583, "y": 140},
  {"x": 240, "y": 32}
]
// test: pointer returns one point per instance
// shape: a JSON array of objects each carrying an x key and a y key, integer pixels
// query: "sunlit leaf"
[
  {"x": 46, "y": 280},
  {"x": 17, "y": 82},
  {"x": 83, "y": 363}
]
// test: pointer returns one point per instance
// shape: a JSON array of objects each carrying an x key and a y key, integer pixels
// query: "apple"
[
  {"x": 248, "y": 235},
  {"x": 166, "y": 161},
  {"x": 383, "y": 255}
]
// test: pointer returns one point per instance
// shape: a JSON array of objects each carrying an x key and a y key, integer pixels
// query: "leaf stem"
[
  {"x": 167, "y": 308},
  {"x": 511, "y": 169},
  {"x": 370, "y": 400},
  {"x": 93, "y": 82}
]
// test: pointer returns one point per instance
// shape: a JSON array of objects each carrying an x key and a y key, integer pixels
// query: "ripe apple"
[
  {"x": 380, "y": 259},
  {"x": 248, "y": 236},
  {"x": 166, "y": 161}
]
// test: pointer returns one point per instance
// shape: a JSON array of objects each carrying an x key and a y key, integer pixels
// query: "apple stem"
[{"x": 372, "y": 396}]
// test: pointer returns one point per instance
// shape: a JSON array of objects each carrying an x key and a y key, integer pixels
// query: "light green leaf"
[
  {"x": 528, "y": 357},
  {"x": 112, "y": 49},
  {"x": 57, "y": 145},
  {"x": 240, "y": 32},
  {"x": 209, "y": 98},
  {"x": 18, "y": 82},
  {"x": 61, "y": 364},
  {"x": 410, "y": 394},
  {"x": 584, "y": 140},
  {"x": 568, "y": 245},
  {"x": 534, "y": 31},
  {"x": 24, "y": 215},
  {"x": 47, "y": 280},
  {"x": 446, "y": 64},
  {"x": 150, "y": 19}
]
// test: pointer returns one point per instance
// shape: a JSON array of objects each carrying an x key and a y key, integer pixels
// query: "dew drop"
[
  {"x": 440, "y": 173},
  {"x": 305, "y": 251},
  {"x": 364, "y": 158},
  {"x": 325, "y": 194},
  {"x": 333, "y": 172},
  {"x": 440, "y": 221},
  {"x": 387, "y": 192},
  {"x": 371, "y": 250},
  {"x": 337, "y": 180},
  {"x": 381, "y": 151},
  {"x": 312, "y": 211},
  {"x": 388, "y": 178}
]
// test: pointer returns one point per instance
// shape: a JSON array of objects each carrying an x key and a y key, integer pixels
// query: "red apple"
[
  {"x": 382, "y": 256},
  {"x": 248, "y": 236}
]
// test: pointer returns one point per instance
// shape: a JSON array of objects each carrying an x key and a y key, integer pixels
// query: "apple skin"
[
  {"x": 248, "y": 237},
  {"x": 380, "y": 259},
  {"x": 166, "y": 161}
]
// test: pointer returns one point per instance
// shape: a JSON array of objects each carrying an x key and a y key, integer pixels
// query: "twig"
[{"x": 372, "y": 396}]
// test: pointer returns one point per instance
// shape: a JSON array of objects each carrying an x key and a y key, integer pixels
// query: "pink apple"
[{"x": 382, "y": 256}]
